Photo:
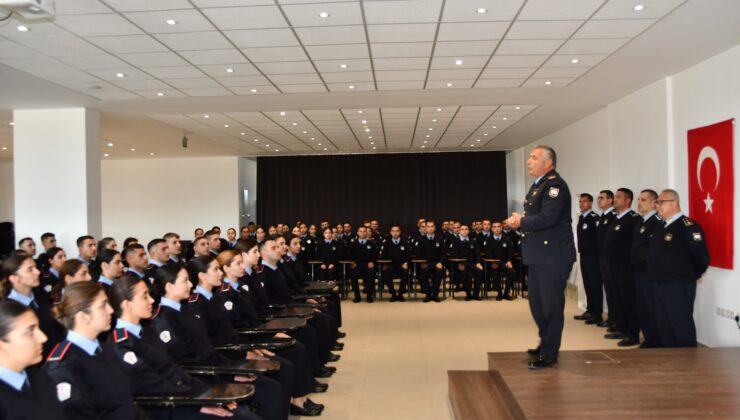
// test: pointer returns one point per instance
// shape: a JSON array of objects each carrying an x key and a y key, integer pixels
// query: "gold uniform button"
[{"x": 545, "y": 242}]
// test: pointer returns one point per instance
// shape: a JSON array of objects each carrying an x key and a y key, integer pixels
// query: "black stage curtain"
[{"x": 391, "y": 188}]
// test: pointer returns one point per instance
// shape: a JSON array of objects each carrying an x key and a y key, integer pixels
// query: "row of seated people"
[{"x": 218, "y": 336}]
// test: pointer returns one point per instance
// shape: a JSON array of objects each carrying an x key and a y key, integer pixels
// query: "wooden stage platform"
[{"x": 598, "y": 384}]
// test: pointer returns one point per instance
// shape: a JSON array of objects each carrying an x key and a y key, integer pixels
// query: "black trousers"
[
  {"x": 674, "y": 313},
  {"x": 327, "y": 332},
  {"x": 646, "y": 309},
  {"x": 593, "y": 284},
  {"x": 362, "y": 271},
  {"x": 389, "y": 271},
  {"x": 612, "y": 302},
  {"x": 624, "y": 284},
  {"x": 303, "y": 382},
  {"x": 496, "y": 271},
  {"x": 334, "y": 307},
  {"x": 430, "y": 278},
  {"x": 269, "y": 400},
  {"x": 310, "y": 339},
  {"x": 469, "y": 274},
  {"x": 547, "y": 302},
  {"x": 326, "y": 274}
]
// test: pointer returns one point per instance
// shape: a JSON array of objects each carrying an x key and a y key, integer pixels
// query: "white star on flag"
[{"x": 708, "y": 202}]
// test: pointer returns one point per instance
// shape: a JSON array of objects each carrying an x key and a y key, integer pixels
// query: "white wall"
[
  {"x": 515, "y": 171},
  {"x": 146, "y": 198},
  {"x": 248, "y": 181},
  {"x": 6, "y": 192},
  {"x": 639, "y": 142}
]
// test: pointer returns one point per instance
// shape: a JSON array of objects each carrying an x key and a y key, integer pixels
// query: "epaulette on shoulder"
[
  {"x": 120, "y": 335},
  {"x": 194, "y": 297},
  {"x": 634, "y": 214},
  {"x": 551, "y": 177},
  {"x": 593, "y": 214},
  {"x": 151, "y": 267},
  {"x": 58, "y": 352},
  {"x": 687, "y": 221},
  {"x": 225, "y": 286},
  {"x": 260, "y": 269},
  {"x": 157, "y": 311}
]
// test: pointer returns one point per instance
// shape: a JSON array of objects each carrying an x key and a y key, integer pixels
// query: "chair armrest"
[
  {"x": 235, "y": 367},
  {"x": 215, "y": 395}
]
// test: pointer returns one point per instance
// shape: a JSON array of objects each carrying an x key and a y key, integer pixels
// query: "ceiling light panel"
[
  {"x": 562, "y": 29},
  {"x": 329, "y": 35},
  {"x": 128, "y": 44},
  {"x": 402, "y": 11},
  {"x": 97, "y": 25},
  {"x": 401, "y": 49},
  {"x": 255, "y": 38},
  {"x": 475, "y": 31},
  {"x": 418, "y": 32},
  {"x": 230, "y": 18},
  {"x": 347, "y": 13},
  {"x": 559, "y": 10},
  {"x": 194, "y": 41},
  {"x": 261, "y": 55}
]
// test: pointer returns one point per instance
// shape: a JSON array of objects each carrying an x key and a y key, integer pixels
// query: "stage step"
[{"x": 481, "y": 395}]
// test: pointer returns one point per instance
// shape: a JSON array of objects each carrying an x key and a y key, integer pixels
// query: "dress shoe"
[
  {"x": 508, "y": 297},
  {"x": 437, "y": 299},
  {"x": 319, "y": 387},
  {"x": 324, "y": 372},
  {"x": 338, "y": 347},
  {"x": 499, "y": 298},
  {"x": 611, "y": 329},
  {"x": 393, "y": 298},
  {"x": 313, "y": 404},
  {"x": 542, "y": 362},
  {"x": 331, "y": 369},
  {"x": 477, "y": 298},
  {"x": 306, "y": 410},
  {"x": 401, "y": 298},
  {"x": 370, "y": 299},
  {"x": 594, "y": 321},
  {"x": 583, "y": 317},
  {"x": 534, "y": 352},
  {"x": 357, "y": 299},
  {"x": 427, "y": 299},
  {"x": 468, "y": 298},
  {"x": 604, "y": 324},
  {"x": 341, "y": 334},
  {"x": 615, "y": 336},
  {"x": 628, "y": 342},
  {"x": 334, "y": 357}
]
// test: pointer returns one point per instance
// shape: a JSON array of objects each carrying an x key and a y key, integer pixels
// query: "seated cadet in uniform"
[
  {"x": 398, "y": 252},
  {"x": 174, "y": 247},
  {"x": 231, "y": 237},
  {"x": 186, "y": 339},
  {"x": 87, "y": 249},
  {"x": 25, "y": 391},
  {"x": 55, "y": 257},
  {"x": 159, "y": 254},
  {"x": 214, "y": 242},
  {"x": 229, "y": 297},
  {"x": 137, "y": 262},
  {"x": 296, "y": 231},
  {"x": 18, "y": 279},
  {"x": 313, "y": 232},
  {"x": 189, "y": 253},
  {"x": 363, "y": 252},
  {"x": 463, "y": 247},
  {"x": 200, "y": 247},
  {"x": 258, "y": 296},
  {"x": 499, "y": 247},
  {"x": 111, "y": 267},
  {"x": 260, "y": 234},
  {"x": 130, "y": 241},
  {"x": 81, "y": 369},
  {"x": 244, "y": 232},
  {"x": 149, "y": 369},
  {"x": 328, "y": 251},
  {"x": 484, "y": 235},
  {"x": 72, "y": 271},
  {"x": 106, "y": 243},
  {"x": 271, "y": 230},
  {"x": 28, "y": 245},
  {"x": 431, "y": 248},
  {"x": 48, "y": 241}
]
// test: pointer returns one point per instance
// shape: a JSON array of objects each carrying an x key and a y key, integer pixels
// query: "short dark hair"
[
  {"x": 81, "y": 240},
  {"x": 167, "y": 236},
  {"x": 129, "y": 250},
  {"x": 47, "y": 235},
  {"x": 130, "y": 240},
  {"x": 27, "y": 238},
  {"x": 653, "y": 195},
  {"x": 210, "y": 233},
  {"x": 153, "y": 243},
  {"x": 628, "y": 192},
  {"x": 550, "y": 153},
  {"x": 588, "y": 197},
  {"x": 245, "y": 245},
  {"x": 608, "y": 193}
]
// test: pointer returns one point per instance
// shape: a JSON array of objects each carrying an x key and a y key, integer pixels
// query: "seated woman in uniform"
[
  {"x": 260, "y": 235},
  {"x": 185, "y": 337},
  {"x": 19, "y": 281},
  {"x": 55, "y": 258},
  {"x": 329, "y": 252},
  {"x": 111, "y": 267},
  {"x": 107, "y": 243},
  {"x": 272, "y": 230},
  {"x": 25, "y": 391},
  {"x": 148, "y": 367},
  {"x": 72, "y": 271},
  {"x": 81, "y": 369}
]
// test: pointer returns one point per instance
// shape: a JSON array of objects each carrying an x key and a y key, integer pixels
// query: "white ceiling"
[{"x": 242, "y": 62}]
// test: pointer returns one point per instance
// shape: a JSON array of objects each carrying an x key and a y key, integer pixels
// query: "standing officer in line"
[
  {"x": 547, "y": 250},
  {"x": 646, "y": 206},
  {"x": 677, "y": 258},
  {"x": 588, "y": 247},
  {"x": 606, "y": 204}
]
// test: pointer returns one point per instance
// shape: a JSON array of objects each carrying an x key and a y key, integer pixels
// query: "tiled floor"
[{"x": 397, "y": 355}]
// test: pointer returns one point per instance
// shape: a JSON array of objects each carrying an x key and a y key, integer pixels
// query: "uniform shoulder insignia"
[
  {"x": 157, "y": 311},
  {"x": 687, "y": 221},
  {"x": 551, "y": 177},
  {"x": 150, "y": 266},
  {"x": 120, "y": 335},
  {"x": 634, "y": 213},
  {"x": 58, "y": 352},
  {"x": 225, "y": 286},
  {"x": 260, "y": 269},
  {"x": 194, "y": 297}
]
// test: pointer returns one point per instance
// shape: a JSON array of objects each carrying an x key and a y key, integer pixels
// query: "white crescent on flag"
[{"x": 707, "y": 152}]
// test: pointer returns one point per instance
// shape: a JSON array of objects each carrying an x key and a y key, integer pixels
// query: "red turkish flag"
[{"x": 711, "y": 188}]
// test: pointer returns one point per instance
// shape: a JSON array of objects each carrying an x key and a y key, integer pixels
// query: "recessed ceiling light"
[
  {"x": 120, "y": 75},
  {"x": 369, "y": 137},
  {"x": 359, "y": 111},
  {"x": 325, "y": 148},
  {"x": 458, "y": 62},
  {"x": 639, "y": 7},
  {"x": 367, "y": 130},
  {"x": 351, "y": 86},
  {"x": 364, "y": 121},
  {"x": 485, "y": 134},
  {"x": 276, "y": 150},
  {"x": 133, "y": 150},
  {"x": 267, "y": 145},
  {"x": 206, "y": 116},
  {"x": 518, "y": 108},
  {"x": 282, "y": 113},
  {"x": 256, "y": 139},
  {"x": 428, "y": 136},
  {"x": 548, "y": 82},
  {"x": 229, "y": 70},
  {"x": 372, "y": 142},
  {"x": 374, "y": 147},
  {"x": 505, "y": 118},
  {"x": 313, "y": 138},
  {"x": 151, "y": 154},
  {"x": 243, "y": 134},
  {"x": 160, "y": 94},
  {"x": 11, "y": 123},
  {"x": 472, "y": 145},
  {"x": 254, "y": 90},
  {"x": 110, "y": 144},
  {"x": 305, "y": 132},
  {"x": 434, "y": 120},
  {"x": 431, "y": 129},
  {"x": 342, "y": 66},
  {"x": 294, "y": 124},
  {"x": 439, "y": 109},
  {"x": 481, "y": 11},
  {"x": 226, "y": 126},
  {"x": 104, "y": 155},
  {"x": 575, "y": 61},
  {"x": 324, "y": 15},
  {"x": 477, "y": 140},
  {"x": 422, "y": 146},
  {"x": 493, "y": 126},
  {"x": 22, "y": 28},
  {"x": 425, "y": 142},
  {"x": 319, "y": 144},
  {"x": 449, "y": 84},
  {"x": 171, "y": 22}
]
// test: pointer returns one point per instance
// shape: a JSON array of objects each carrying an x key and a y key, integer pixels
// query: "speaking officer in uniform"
[
  {"x": 588, "y": 248},
  {"x": 646, "y": 206},
  {"x": 363, "y": 253},
  {"x": 396, "y": 250},
  {"x": 617, "y": 245},
  {"x": 547, "y": 250},
  {"x": 677, "y": 258},
  {"x": 606, "y": 204}
]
